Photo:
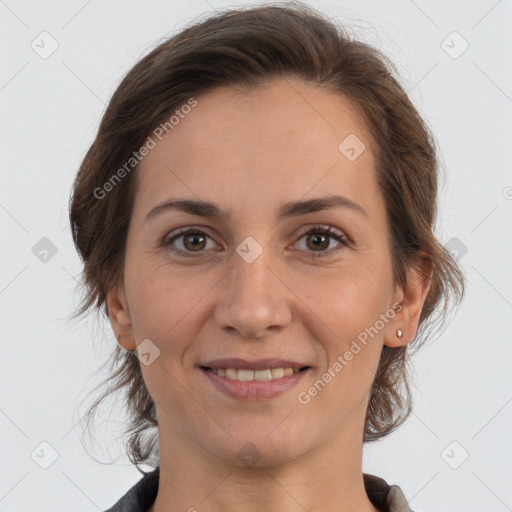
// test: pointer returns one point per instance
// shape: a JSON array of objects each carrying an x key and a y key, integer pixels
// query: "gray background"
[{"x": 50, "y": 110}]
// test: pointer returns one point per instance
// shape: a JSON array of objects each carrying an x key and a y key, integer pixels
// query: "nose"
[{"x": 253, "y": 298}]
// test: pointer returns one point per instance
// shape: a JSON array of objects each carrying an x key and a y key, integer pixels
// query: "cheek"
[
  {"x": 169, "y": 309},
  {"x": 347, "y": 299},
  {"x": 166, "y": 313},
  {"x": 161, "y": 297},
  {"x": 347, "y": 306}
]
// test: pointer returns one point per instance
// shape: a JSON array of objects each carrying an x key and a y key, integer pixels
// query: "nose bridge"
[{"x": 253, "y": 298}]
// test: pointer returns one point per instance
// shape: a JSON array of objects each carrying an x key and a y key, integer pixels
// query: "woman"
[{"x": 256, "y": 220}]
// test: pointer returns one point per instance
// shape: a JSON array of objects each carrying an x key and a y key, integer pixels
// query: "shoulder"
[
  {"x": 141, "y": 496},
  {"x": 386, "y": 497}
]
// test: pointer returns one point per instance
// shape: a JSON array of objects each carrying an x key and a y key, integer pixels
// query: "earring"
[{"x": 399, "y": 333}]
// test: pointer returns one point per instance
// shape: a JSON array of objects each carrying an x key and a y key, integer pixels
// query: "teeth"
[
  {"x": 277, "y": 373},
  {"x": 259, "y": 375},
  {"x": 244, "y": 375},
  {"x": 231, "y": 373}
]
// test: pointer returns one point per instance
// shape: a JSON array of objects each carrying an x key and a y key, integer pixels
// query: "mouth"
[
  {"x": 247, "y": 375},
  {"x": 254, "y": 385}
]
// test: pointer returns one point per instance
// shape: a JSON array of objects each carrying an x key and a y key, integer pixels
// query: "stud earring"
[{"x": 399, "y": 333}]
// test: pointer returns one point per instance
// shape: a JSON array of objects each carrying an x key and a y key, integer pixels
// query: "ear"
[
  {"x": 409, "y": 300},
  {"x": 120, "y": 318}
]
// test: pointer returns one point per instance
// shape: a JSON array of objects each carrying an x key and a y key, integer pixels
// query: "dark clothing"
[{"x": 387, "y": 498}]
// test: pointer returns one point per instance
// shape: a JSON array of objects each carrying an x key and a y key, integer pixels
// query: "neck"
[{"x": 328, "y": 477}]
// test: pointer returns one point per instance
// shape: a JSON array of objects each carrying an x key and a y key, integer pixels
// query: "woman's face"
[{"x": 251, "y": 283}]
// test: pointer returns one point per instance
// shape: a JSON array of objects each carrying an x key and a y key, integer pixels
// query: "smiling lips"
[
  {"x": 250, "y": 375},
  {"x": 246, "y": 371}
]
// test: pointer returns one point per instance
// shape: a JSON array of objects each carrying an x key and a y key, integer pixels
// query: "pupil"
[
  {"x": 195, "y": 238},
  {"x": 316, "y": 238}
]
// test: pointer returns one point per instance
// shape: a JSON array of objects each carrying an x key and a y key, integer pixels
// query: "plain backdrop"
[{"x": 61, "y": 62}]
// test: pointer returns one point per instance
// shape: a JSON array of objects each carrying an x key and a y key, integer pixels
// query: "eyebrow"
[{"x": 291, "y": 209}]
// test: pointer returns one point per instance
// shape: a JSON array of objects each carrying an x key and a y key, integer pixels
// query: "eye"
[
  {"x": 319, "y": 237},
  {"x": 190, "y": 238}
]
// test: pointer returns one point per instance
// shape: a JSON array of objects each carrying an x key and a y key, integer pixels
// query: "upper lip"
[{"x": 260, "y": 364}]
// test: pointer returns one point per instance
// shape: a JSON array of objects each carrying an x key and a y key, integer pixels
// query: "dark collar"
[{"x": 387, "y": 498}]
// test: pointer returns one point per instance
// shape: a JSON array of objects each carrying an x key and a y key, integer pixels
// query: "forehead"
[{"x": 277, "y": 142}]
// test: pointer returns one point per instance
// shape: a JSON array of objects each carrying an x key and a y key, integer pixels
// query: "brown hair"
[{"x": 243, "y": 48}]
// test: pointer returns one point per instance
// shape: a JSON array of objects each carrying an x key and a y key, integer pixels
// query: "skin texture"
[{"x": 249, "y": 152}]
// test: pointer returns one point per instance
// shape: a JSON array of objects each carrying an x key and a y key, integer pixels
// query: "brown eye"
[
  {"x": 194, "y": 241},
  {"x": 186, "y": 242},
  {"x": 318, "y": 240}
]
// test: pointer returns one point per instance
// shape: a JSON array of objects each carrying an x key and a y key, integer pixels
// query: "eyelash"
[{"x": 317, "y": 229}]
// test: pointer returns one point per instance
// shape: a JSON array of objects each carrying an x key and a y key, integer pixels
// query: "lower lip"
[{"x": 255, "y": 389}]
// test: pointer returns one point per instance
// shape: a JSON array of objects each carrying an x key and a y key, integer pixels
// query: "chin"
[{"x": 259, "y": 450}]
